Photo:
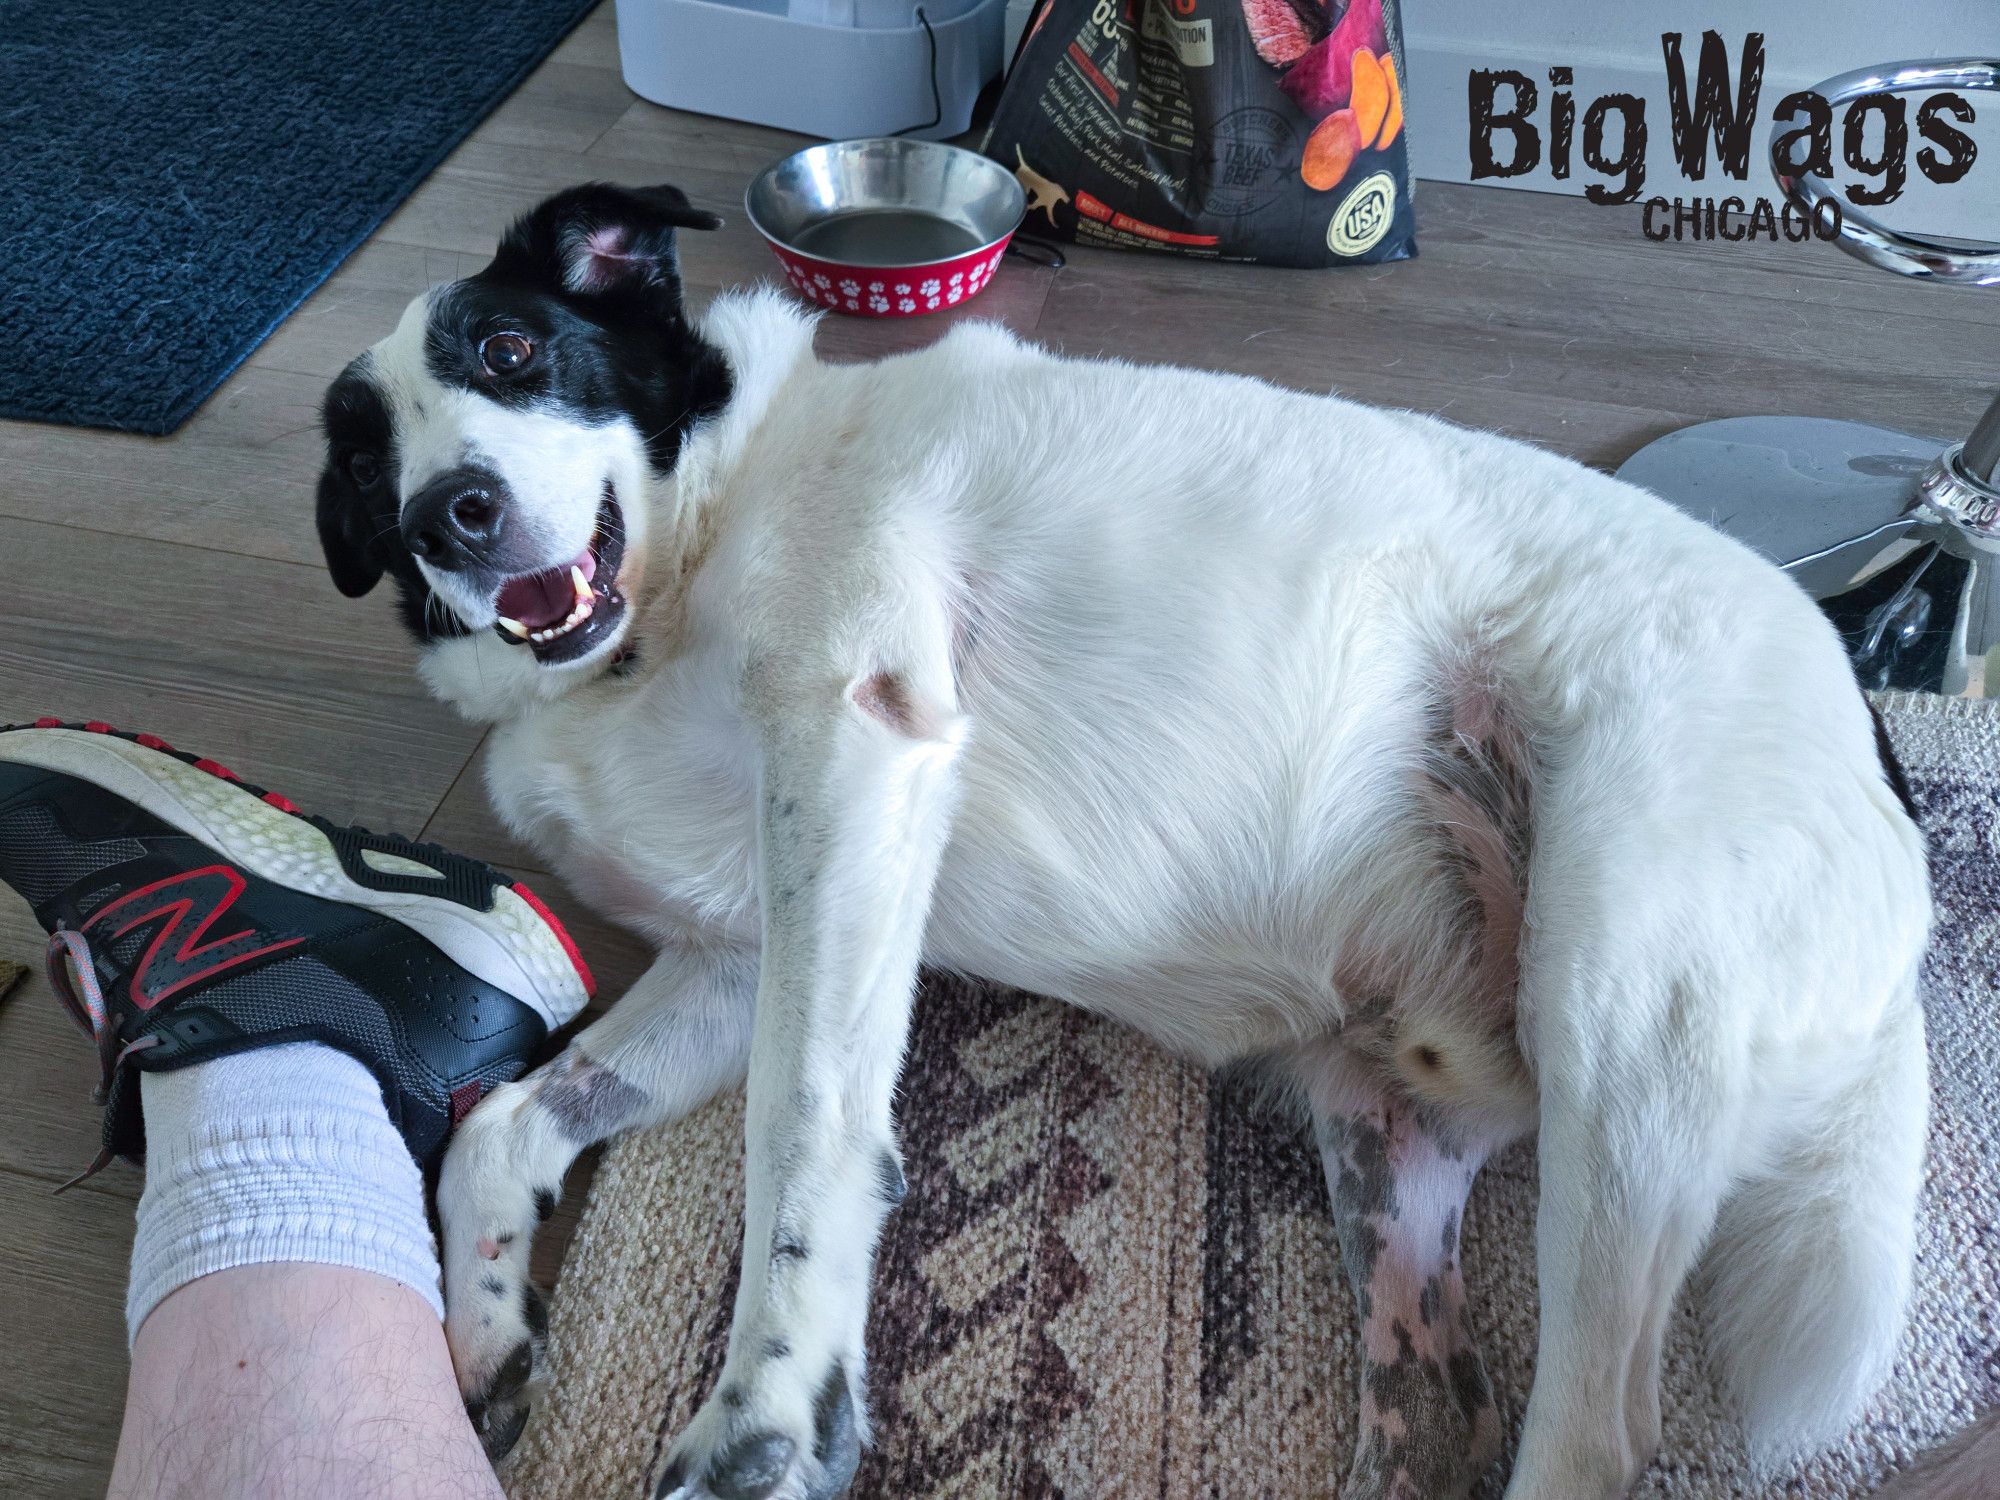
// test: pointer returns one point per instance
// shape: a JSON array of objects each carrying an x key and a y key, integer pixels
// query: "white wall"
[
  {"x": 1806, "y": 39},
  {"x": 1614, "y": 46}
]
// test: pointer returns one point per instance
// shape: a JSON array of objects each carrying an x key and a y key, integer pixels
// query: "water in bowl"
[{"x": 885, "y": 237}]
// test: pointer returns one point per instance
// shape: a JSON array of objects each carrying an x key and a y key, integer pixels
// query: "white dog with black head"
[{"x": 1464, "y": 791}]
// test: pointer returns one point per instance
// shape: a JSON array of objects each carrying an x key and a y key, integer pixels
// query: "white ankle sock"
[{"x": 285, "y": 1153}]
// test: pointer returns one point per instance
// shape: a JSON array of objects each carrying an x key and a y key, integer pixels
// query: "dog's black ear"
[
  {"x": 356, "y": 508},
  {"x": 344, "y": 534},
  {"x": 604, "y": 239}
]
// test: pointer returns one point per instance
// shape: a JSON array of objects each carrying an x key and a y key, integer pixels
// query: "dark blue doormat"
[{"x": 177, "y": 175}]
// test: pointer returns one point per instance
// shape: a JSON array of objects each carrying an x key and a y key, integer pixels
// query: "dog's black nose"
[{"x": 457, "y": 520}]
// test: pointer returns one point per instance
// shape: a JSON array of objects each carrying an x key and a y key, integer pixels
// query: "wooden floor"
[{"x": 175, "y": 585}]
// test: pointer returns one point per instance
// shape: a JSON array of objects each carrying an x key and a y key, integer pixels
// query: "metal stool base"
[{"x": 1840, "y": 506}]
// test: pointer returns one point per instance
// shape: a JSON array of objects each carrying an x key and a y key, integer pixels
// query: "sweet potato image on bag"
[
  {"x": 1320, "y": 80},
  {"x": 1346, "y": 80},
  {"x": 1393, "y": 121},
  {"x": 1330, "y": 151},
  {"x": 1370, "y": 97}
]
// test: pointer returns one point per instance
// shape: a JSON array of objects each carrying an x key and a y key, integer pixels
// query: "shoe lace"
[{"x": 73, "y": 976}]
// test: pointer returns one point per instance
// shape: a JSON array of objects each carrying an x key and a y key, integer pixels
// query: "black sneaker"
[{"x": 192, "y": 915}]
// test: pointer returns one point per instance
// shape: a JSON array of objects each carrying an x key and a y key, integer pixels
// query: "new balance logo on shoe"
[{"x": 186, "y": 906}]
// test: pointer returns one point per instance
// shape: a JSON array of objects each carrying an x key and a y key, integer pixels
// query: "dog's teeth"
[
  {"x": 586, "y": 604},
  {"x": 514, "y": 628}
]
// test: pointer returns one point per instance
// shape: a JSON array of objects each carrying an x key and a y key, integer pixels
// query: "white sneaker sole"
[{"x": 514, "y": 947}]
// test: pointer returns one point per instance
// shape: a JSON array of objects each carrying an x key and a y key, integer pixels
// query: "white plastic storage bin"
[{"x": 833, "y": 68}]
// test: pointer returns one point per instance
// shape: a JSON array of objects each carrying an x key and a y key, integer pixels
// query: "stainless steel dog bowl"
[{"x": 886, "y": 227}]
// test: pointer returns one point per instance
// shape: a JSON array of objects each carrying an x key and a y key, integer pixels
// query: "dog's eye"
[
  {"x": 363, "y": 468},
  {"x": 505, "y": 353}
]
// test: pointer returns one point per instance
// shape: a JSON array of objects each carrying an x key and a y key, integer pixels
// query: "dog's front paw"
[
  {"x": 770, "y": 1437},
  {"x": 501, "y": 1357},
  {"x": 494, "y": 1319}
]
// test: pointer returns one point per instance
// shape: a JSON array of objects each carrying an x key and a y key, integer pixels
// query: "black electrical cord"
[
  {"x": 1036, "y": 252},
  {"x": 937, "y": 95}
]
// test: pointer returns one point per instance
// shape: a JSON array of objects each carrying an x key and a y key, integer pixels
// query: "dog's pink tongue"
[{"x": 539, "y": 600}]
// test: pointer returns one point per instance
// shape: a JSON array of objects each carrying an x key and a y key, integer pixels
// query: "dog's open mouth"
[{"x": 565, "y": 612}]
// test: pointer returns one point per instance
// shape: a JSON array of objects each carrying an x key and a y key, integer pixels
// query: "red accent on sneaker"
[
  {"x": 97, "y": 726},
  {"x": 199, "y": 897},
  {"x": 280, "y": 801},
  {"x": 562, "y": 936},
  {"x": 216, "y": 768},
  {"x": 151, "y": 742},
  {"x": 48, "y": 723},
  {"x": 463, "y": 1098}
]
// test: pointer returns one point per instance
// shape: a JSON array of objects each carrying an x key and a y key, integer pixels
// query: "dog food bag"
[{"x": 1260, "y": 130}]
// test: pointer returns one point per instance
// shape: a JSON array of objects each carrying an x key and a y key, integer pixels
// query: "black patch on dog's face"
[
  {"x": 591, "y": 279},
  {"x": 358, "y": 507}
]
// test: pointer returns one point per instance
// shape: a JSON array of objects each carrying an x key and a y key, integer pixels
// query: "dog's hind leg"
[
  {"x": 1640, "y": 1129},
  {"x": 680, "y": 1035},
  {"x": 1399, "y": 1179},
  {"x": 1808, "y": 1278}
]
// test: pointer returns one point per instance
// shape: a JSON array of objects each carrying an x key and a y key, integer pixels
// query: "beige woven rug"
[{"x": 1112, "y": 1279}]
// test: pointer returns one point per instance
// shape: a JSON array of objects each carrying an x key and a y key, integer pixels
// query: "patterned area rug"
[{"x": 1112, "y": 1278}]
